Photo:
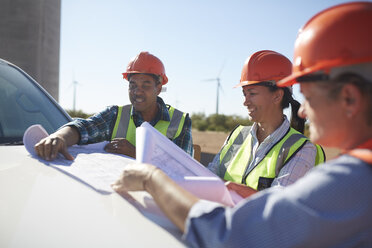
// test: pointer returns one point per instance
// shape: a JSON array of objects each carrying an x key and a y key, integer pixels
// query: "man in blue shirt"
[
  {"x": 331, "y": 206},
  {"x": 146, "y": 76}
]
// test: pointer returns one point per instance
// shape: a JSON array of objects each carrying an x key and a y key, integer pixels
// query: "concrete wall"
[{"x": 30, "y": 38}]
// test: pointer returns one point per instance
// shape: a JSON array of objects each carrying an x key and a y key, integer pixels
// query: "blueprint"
[
  {"x": 97, "y": 169},
  {"x": 154, "y": 148},
  {"x": 92, "y": 165}
]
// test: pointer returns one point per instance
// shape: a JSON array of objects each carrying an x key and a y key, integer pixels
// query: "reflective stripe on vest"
[
  {"x": 231, "y": 149},
  {"x": 125, "y": 127},
  {"x": 235, "y": 157},
  {"x": 320, "y": 155}
]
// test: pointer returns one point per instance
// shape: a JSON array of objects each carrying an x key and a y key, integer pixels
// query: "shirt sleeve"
[
  {"x": 96, "y": 128},
  {"x": 297, "y": 167},
  {"x": 214, "y": 166},
  {"x": 184, "y": 140},
  {"x": 323, "y": 209}
]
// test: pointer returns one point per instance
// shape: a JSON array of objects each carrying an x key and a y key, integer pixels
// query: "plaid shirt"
[{"x": 99, "y": 127}]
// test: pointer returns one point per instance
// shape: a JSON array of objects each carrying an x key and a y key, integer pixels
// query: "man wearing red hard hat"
[
  {"x": 117, "y": 124},
  {"x": 331, "y": 206}
]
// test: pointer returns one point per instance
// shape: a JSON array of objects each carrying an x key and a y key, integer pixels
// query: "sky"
[{"x": 195, "y": 40}]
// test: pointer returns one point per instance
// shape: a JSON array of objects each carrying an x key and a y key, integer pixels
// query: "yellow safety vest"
[
  {"x": 235, "y": 157},
  {"x": 125, "y": 127}
]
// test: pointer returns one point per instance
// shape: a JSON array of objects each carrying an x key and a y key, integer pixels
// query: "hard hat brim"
[
  {"x": 125, "y": 76},
  {"x": 289, "y": 81},
  {"x": 245, "y": 83},
  {"x": 292, "y": 79}
]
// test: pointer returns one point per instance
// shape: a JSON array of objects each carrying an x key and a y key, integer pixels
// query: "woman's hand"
[{"x": 242, "y": 190}]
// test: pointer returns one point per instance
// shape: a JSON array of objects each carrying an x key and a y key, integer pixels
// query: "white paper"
[
  {"x": 209, "y": 188},
  {"x": 98, "y": 169},
  {"x": 92, "y": 165},
  {"x": 33, "y": 135},
  {"x": 154, "y": 148}
]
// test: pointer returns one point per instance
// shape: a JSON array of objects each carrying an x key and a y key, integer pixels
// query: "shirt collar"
[
  {"x": 276, "y": 135},
  {"x": 162, "y": 114}
]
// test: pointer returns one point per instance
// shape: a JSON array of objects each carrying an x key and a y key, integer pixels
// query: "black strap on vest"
[{"x": 283, "y": 153}]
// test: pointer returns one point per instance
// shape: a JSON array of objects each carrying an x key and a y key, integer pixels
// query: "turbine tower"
[
  {"x": 75, "y": 83},
  {"x": 219, "y": 87}
]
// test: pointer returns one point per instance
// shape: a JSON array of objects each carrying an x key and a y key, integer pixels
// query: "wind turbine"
[
  {"x": 75, "y": 83},
  {"x": 218, "y": 80}
]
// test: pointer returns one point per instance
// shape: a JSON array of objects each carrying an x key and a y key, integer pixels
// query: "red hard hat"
[
  {"x": 338, "y": 36},
  {"x": 146, "y": 63},
  {"x": 263, "y": 66}
]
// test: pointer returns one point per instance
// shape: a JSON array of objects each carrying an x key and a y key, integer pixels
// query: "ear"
[
  {"x": 159, "y": 86},
  {"x": 278, "y": 96},
  {"x": 352, "y": 100}
]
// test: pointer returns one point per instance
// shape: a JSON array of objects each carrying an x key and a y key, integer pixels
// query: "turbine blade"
[
  {"x": 223, "y": 65},
  {"x": 210, "y": 79}
]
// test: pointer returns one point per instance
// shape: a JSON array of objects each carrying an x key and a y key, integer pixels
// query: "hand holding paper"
[
  {"x": 154, "y": 148},
  {"x": 39, "y": 143},
  {"x": 32, "y": 136},
  {"x": 242, "y": 190}
]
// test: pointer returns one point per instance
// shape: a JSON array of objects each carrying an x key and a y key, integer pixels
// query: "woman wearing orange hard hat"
[
  {"x": 271, "y": 152},
  {"x": 331, "y": 206}
]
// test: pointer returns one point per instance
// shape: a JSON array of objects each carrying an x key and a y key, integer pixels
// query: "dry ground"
[{"x": 211, "y": 142}]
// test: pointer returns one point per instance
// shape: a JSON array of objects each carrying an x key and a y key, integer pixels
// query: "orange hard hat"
[
  {"x": 338, "y": 36},
  {"x": 264, "y": 66},
  {"x": 145, "y": 62}
]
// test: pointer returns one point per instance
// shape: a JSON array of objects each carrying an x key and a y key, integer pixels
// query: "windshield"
[{"x": 22, "y": 104}]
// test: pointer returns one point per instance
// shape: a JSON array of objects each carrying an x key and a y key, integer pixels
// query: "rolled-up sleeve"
[
  {"x": 214, "y": 166},
  {"x": 96, "y": 128}
]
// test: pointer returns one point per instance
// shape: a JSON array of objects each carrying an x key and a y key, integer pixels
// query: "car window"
[{"x": 22, "y": 104}]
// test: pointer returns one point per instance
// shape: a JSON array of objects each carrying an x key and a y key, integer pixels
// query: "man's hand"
[
  {"x": 121, "y": 146},
  {"x": 242, "y": 190},
  {"x": 49, "y": 147},
  {"x": 134, "y": 178}
]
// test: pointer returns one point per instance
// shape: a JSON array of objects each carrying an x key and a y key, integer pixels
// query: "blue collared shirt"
[
  {"x": 99, "y": 127},
  {"x": 331, "y": 206}
]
